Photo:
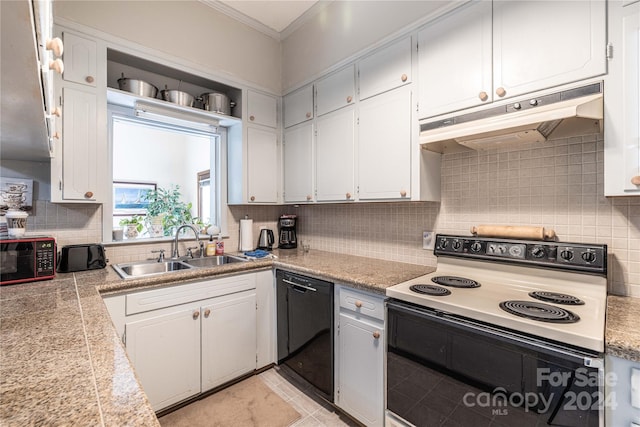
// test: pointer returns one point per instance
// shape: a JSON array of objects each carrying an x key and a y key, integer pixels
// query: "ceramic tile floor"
[{"x": 314, "y": 411}]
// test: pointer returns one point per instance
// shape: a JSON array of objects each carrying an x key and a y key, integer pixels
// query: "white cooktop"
[{"x": 501, "y": 282}]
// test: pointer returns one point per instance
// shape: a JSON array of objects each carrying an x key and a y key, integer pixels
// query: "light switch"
[{"x": 635, "y": 388}]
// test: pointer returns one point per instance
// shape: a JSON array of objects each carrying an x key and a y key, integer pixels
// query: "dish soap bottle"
[
  {"x": 211, "y": 247},
  {"x": 219, "y": 245}
]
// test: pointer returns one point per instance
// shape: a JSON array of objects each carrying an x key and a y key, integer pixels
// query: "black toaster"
[{"x": 83, "y": 257}]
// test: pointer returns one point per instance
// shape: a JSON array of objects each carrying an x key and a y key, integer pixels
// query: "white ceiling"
[{"x": 272, "y": 17}]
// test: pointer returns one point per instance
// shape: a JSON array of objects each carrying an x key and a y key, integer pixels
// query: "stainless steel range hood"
[{"x": 563, "y": 114}]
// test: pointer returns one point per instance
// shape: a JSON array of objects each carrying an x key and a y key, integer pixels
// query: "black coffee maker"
[{"x": 287, "y": 226}]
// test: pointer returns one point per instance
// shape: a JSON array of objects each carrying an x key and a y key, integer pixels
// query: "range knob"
[
  {"x": 476, "y": 247},
  {"x": 517, "y": 106},
  {"x": 444, "y": 243},
  {"x": 589, "y": 256},
  {"x": 533, "y": 102},
  {"x": 566, "y": 255},
  {"x": 457, "y": 244},
  {"x": 537, "y": 252}
]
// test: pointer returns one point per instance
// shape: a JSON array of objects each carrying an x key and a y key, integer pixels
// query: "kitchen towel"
[{"x": 246, "y": 235}]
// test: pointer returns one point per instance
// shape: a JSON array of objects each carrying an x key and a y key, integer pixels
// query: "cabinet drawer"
[
  {"x": 362, "y": 303},
  {"x": 140, "y": 302}
]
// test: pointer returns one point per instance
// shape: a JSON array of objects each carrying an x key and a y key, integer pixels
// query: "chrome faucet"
[{"x": 174, "y": 253}]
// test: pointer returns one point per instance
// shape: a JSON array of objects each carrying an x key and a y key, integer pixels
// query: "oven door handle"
[{"x": 483, "y": 329}]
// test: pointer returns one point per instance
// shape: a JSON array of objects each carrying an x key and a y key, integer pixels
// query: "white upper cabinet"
[
  {"x": 262, "y": 161},
  {"x": 487, "y": 51},
  {"x": 335, "y": 156},
  {"x": 262, "y": 109},
  {"x": 454, "y": 61},
  {"x": 79, "y": 59},
  {"x": 335, "y": 91},
  {"x": 298, "y": 161},
  {"x": 298, "y": 106},
  {"x": 537, "y": 45},
  {"x": 622, "y": 103},
  {"x": 384, "y": 146},
  {"x": 386, "y": 69}
]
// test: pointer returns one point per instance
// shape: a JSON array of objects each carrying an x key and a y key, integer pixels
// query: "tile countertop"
[
  {"x": 62, "y": 363},
  {"x": 622, "y": 335}
]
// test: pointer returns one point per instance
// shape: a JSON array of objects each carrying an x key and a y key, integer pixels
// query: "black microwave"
[{"x": 27, "y": 259}]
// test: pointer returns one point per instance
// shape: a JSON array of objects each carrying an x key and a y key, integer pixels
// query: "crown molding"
[{"x": 259, "y": 26}]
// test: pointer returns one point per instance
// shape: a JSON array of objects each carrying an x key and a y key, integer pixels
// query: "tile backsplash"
[{"x": 557, "y": 184}]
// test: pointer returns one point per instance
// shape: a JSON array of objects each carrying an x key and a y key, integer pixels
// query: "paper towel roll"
[{"x": 246, "y": 235}]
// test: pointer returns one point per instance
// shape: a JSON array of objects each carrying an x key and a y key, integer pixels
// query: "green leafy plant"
[
  {"x": 167, "y": 203},
  {"x": 137, "y": 220}
]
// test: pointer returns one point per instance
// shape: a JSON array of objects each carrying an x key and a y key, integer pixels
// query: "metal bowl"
[
  {"x": 138, "y": 87},
  {"x": 177, "y": 97}
]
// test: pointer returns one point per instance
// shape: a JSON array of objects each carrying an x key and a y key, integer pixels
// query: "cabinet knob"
[
  {"x": 88, "y": 194},
  {"x": 404, "y": 77},
  {"x": 196, "y": 314},
  {"x": 358, "y": 304},
  {"x": 348, "y": 195},
  {"x": 252, "y": 118},
  {"x": 56, "y": 112},
  {"x": 55, "y": 45},
  {"x": 252, "y": 198},
  {"x": 89, "y": 79},
  {"x": 57, "y": 65},
  {"x": 207, "y": 312},
  {"x": 501, "y": 92},
  {"x": 376, "y": 334},
  {"x": 403, "y": 193},
  {"x": 309, "y": 197},
  {"x": 635, "y": 180},
  {"x": 55, "y": 135},
  {"x": 483, "y": 96},
  {"x": 308, "y": 115},
  {"x": 349, "y": 98}
]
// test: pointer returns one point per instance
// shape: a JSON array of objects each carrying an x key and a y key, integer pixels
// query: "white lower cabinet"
[
  {"x": 186, "y": 339},
  {"x": 360, "y": 352}
]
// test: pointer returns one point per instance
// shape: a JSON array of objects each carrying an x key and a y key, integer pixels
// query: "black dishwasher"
[{"x": 305, "y": 329}]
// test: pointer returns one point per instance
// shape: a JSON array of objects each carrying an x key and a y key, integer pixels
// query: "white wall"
[
  {"x": 343, "y": 29},
  {"x": 186, "y": 29}
]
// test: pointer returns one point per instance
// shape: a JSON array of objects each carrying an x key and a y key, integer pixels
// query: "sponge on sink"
[{"x": 258, "y": 253}]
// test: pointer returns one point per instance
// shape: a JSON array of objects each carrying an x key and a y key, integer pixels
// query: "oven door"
[{"x": 445, "y": 369}]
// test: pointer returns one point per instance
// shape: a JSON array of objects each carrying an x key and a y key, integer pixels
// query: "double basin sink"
[{"x": 131, "y": 270}]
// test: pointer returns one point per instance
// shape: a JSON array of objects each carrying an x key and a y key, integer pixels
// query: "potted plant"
[
  {"x": 132, "y": 226},
  {"x": 167, "y": 208}
]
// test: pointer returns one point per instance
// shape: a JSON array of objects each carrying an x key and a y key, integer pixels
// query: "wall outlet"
[{"x": 428, "y": 240}]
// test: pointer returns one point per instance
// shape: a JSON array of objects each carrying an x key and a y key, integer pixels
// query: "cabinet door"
[
  {"x": 335, "y": 156},
  {"x": 79, "y": 146},
  {"x": 262, "y": 109},
  {"x": 538, "y": 45},
  {"x": 79, "y": 59},
  {"x": 335, "y": 91},
  {"x": 262, "y": 165},
  {"x": 298, "y": 106},
  {"x": 386, "y": 69},
  {"x": 165, "y": 352},
  {"x": 454, "y": 61},
  {"x": 265, "y": 318},
  {"x": 361, "y": 364},
  {"x": 298, "y": 166},
  {"x": 630, "y": 122},
  {"x": 384, "y": 146},
  {"x": 228, "y": 338}
]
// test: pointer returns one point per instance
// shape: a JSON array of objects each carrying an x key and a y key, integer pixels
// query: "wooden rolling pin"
[{"x": 514, "y": 232}]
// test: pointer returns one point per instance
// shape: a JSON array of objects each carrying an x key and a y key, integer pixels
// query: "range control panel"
[{"x": 571, "y": 256}]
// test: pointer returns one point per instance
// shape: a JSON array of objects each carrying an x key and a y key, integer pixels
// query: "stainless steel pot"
[
  {"x": 177, "y": 97},
  {"x": 138, "y": 87},
  {"x": 216, "y": 102}
]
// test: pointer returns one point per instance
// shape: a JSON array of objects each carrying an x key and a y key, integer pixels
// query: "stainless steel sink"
[
  {"x": 212, "y": 261},
  {"x": 148, "y": 268}
]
